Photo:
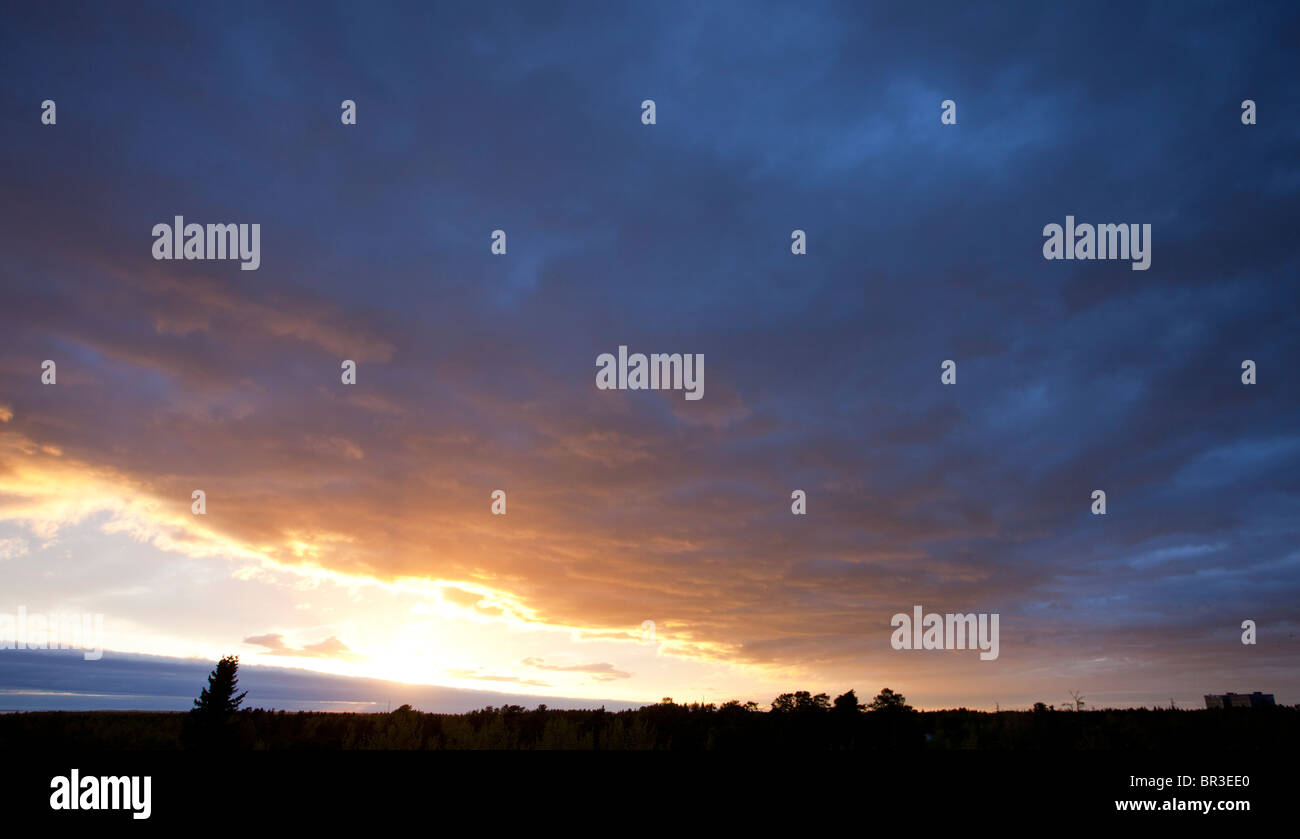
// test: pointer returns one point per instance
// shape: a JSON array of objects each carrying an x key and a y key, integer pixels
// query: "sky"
[{"x": 348, "y": 527}]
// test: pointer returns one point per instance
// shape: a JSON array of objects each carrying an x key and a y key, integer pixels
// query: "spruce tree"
[{"x": 218, "y": 699}]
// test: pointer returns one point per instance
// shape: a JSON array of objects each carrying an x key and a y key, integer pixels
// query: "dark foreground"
[
  {"x": 723, "y": 770},
  {"x": 662, "y": 727}
]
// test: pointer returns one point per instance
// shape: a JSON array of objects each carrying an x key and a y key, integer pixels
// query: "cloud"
[
  {"x": 602, "y": 671},
  {"x": 59, "y": 680},
  {"x": 458, "y": 673},
  {"x": 460, "y": 597},
  {"x": 477, "y": 373},
  {"x": 275, "y": 644}
]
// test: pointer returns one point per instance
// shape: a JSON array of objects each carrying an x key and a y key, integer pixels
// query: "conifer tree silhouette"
[{"x": 218, "y": 699}]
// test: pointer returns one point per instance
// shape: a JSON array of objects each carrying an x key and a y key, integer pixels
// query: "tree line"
[{"x": 797, "y": 721}]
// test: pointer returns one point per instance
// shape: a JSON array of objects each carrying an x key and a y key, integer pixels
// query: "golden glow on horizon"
[{"x": 417, "y": 630}]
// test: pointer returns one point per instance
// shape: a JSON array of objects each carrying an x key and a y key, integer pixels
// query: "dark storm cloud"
[{"x": 476, "y": 372}]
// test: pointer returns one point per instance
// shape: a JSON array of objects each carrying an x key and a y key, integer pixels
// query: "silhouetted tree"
[
  {"x": 211, "y": 722},
  {"x": 218, "y": 698},
  {"x": 801, "y": 701},
  {"x": 847, "y": 703},
  {"x": 887, "y": 700}
]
